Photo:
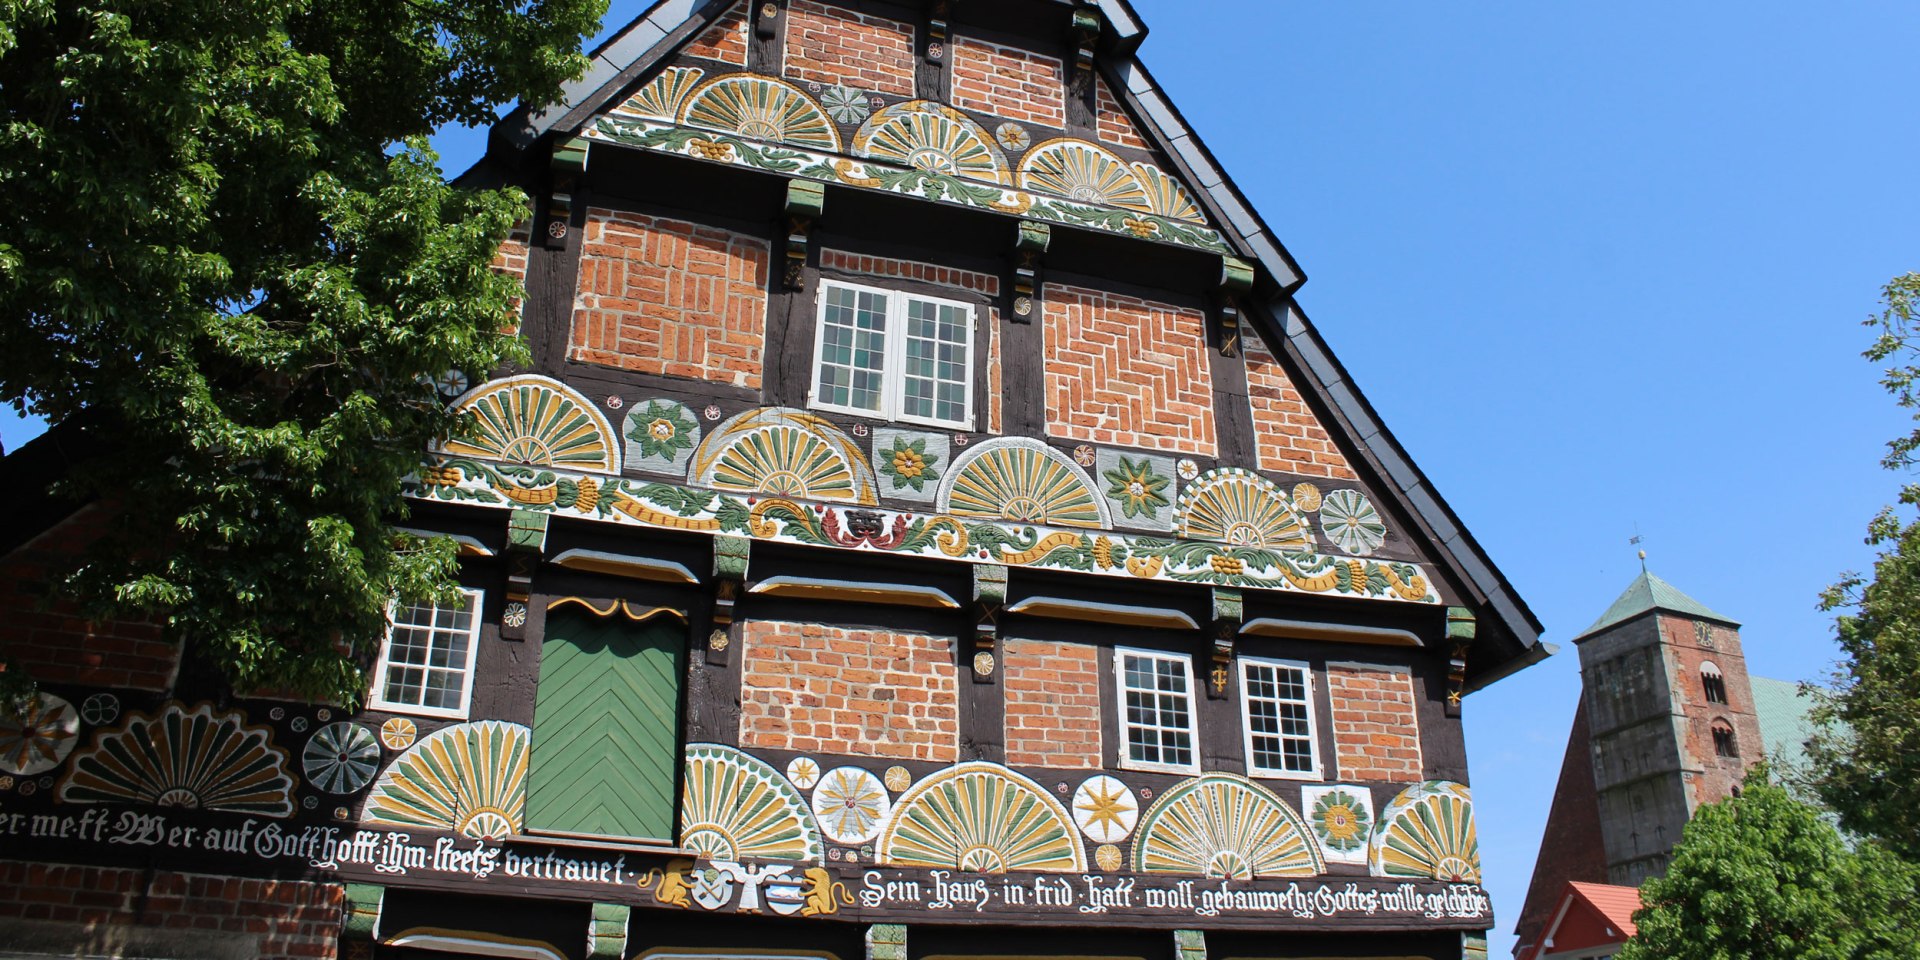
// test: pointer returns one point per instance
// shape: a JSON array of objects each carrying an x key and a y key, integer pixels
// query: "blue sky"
[{"x": 1600, "y": 268}]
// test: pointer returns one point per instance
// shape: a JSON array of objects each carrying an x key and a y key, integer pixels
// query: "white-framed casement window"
[
  {"x": 1277, "y": 699},
  {"x": 426, "y": 664},
  {"x": 1157, "y": 723},
  {"x": 893, "y": 355}
]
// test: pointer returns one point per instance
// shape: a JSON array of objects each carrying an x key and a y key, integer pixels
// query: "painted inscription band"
[{"x": 665, "y": 506}]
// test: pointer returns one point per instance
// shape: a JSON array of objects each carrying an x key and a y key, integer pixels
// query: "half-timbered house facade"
[{"x": 927, "y": 528}]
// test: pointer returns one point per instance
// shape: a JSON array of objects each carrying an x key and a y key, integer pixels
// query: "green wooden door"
[{"x": 606, "y": 731}]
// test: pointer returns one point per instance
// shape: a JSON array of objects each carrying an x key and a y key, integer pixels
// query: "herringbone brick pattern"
[{"x": 1127, "y": 371}]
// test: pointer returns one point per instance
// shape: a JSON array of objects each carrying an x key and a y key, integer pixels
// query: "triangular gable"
[
  {"x": 1510, "y": 636},
  {"x": 1591, "y": 916}
]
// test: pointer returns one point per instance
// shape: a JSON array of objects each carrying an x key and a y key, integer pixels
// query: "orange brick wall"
[
  {"x": 1114, "y": 125},
  {"x": 512, "y": 261},
  {"x": 1009, "y": 82},
  {"x": 1126, "y": 371},
  {"x": 1052, "y": 695},
  {"x": 907, "y": 269},
  {"x": 1286, "y": 434},
  {"x": 725, "y": 40},
  {"x": 103, "y": 906},
  {"x": 666, "y": 297},
  {"x": 52, "y": 642},
  {"x": 831, "y": 45},
  {"x": 868, "y": 693},
  {"x": 1376, "y": 731}
]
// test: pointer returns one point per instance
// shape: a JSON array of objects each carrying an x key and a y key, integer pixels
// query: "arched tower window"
[
  {"x": 1723, "y": 744},
  {"x": 1712, "y": 683}
]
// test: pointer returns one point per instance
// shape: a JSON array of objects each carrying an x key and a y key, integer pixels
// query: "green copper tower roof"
[{"x": 1648, "y": 592}]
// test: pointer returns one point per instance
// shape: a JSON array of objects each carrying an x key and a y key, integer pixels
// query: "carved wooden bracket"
[
  {"x": 526, "y": 545},
  {"x": 989, "y": 596},
  {"x": 730, "y": 556},
  {"x": 607, "y": 931},
  {"x": 1190, "y": 944},
  {"x": 564, "y": 174},
  {"x": 806, "y": 202},
  {"x": 1461, "y": 628},
  {"x": 1029, "y": 246},
  {"x": 1083, "y": 34},
  {"x": 939, "y": 13},
  {"x": 1223, "y": 629},
  {"x": 1236, "y": 279},
  {"x": 766, "y": 19}
]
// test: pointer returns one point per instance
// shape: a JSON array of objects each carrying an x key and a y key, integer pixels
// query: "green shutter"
[{"x": 606, "y": 730}]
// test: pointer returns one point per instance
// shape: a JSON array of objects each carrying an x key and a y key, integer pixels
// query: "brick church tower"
[{"x": 1666, "y": 723}]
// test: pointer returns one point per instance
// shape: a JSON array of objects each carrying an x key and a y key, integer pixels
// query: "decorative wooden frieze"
[
  {"x": 806, "y": 202},
  {"x": 607, "y": 931},
  {"x": 887, "y": 941},
  {"x": 730, "y": 556},
  {"x": 364, "y": 902},
  {"x": 989, "y": 596},
  {"x": 1236, "y": 279},
  {"x": 1223, "y": 629},
  {"x": 567, "y": 169},
  {"x": 1461, "y": 628},
  {"x": 526, "y": 544},
  {"x": 1029, "y": 246},
  {"x": 1190, "y": 945}
]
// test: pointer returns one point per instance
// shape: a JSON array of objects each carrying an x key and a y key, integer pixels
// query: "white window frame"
[
  {"x": 1120, "y": 656},
  {"x": 1246, "y": 719},
  {"x": 893, "y": 373},
  {"x": 378, "y": 700}
]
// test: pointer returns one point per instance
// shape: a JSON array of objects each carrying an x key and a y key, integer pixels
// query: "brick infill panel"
[
  {"x": 671, "y": 298},
  {"x": 286, "y": 919},
  {"x": 726, "y": 40},
  {"x": 832, "y": 45},
  {"x": 1052, "y": 704},
  {"x": 1111, "y": 119},
  {"x": 1376, "y": 724},
  {"x": 910, "y": 270},
  {"x": 1009, "y": 82},
  {"x": 1127, "y": 371},
  {"x": 854, "y": 692},
  {"x": 1287, "y": 436}
]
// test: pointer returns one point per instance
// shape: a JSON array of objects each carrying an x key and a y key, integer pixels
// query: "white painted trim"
[
  {"x": 1246, "y": 721},
  {"x": 377, "y": 699},
  {"x": 1120, "y": 655},
  {"x": 894, "y": 357}
]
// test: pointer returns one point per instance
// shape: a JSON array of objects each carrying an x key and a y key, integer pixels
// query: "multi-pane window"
[
  {"x": 426, "y": 665},
  {"x": 894, "y": 355},
  {"x": 1156, "y": 711},
  {"x": 1278, "y": 699}
]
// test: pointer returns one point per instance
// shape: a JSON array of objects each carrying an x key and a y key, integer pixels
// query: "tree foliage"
[
  {"x": 1867, "y": 763},
  {"x": 1762, "y": 875},
  {"x": 228, "y": 254}
]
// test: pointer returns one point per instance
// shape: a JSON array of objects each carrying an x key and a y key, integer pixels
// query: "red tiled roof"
[{"x": 1617, "y": 904}]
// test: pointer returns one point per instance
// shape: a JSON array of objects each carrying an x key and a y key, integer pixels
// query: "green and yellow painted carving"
[
  {"x": 929, "y": 136},
  {"x": 670, "y": 507},
  {"x": 1223, "y": 825},
  {"x": 662, "y": 430},
  {"x": 1136, "y": 487},
  {"x": 984, "y": 818},
  {"x": 536, "y": 420},
  {"x": 908, "y": 463},
  {"x": 1427, "y": 833},
  {"x": 761, "y": 108},
  {"x": 786, "y": 453},
  {"x": 1024, "y": 481},
  {"x": 734, "y": 806},
  {"x": 469, "y": 778},
  {"x": 917, "y": 168}
]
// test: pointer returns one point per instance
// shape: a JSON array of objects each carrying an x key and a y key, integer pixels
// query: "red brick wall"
[
  {"x": 831, "y": 45},
  {"x": 667, "y": 297},
  {"x": 103, "y": 906},
  {"x": 1127, "y": 371},
  {"x": 725, "y": 40},
  {"x": 512, "y": 261},
  {"x": 1052, "y": 695},
  {"x": 1114, "y": 125},
  {"x": 52, "y": 642},
  {"x": 869, "y": 693},
  {"x": 924, "y": 272},
  {"x": 1376, "y": 732},
  {"x": 1009, "y": 82},
  {"x": 1287, "y": 435},
  {"x": 1718, "y": 774}
]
